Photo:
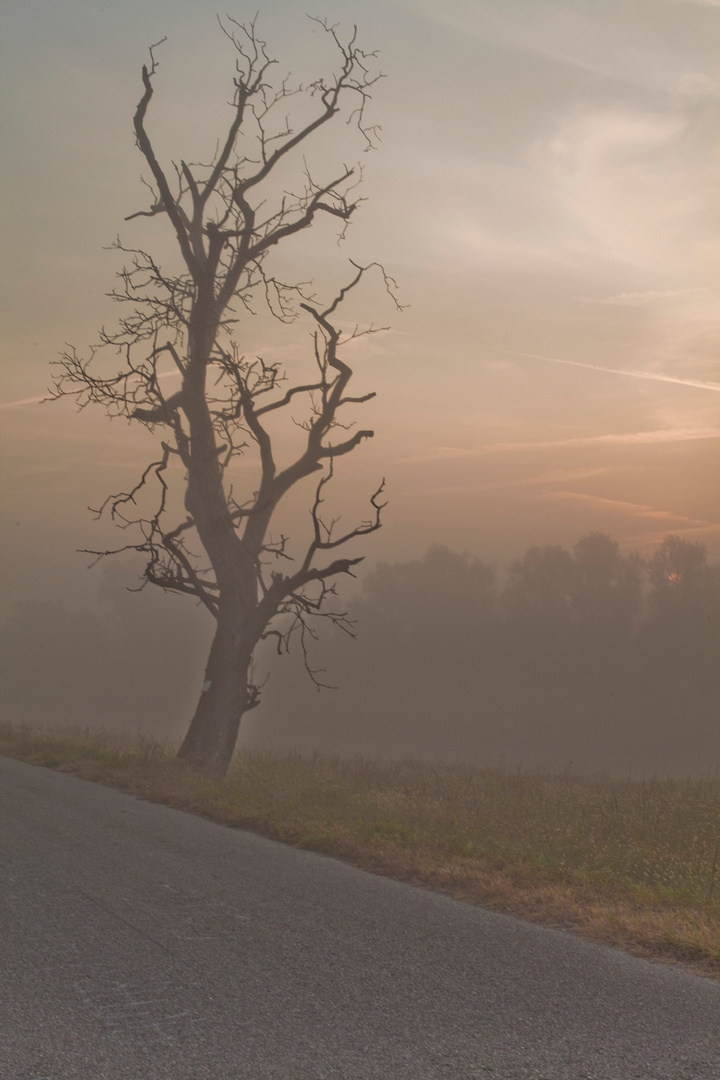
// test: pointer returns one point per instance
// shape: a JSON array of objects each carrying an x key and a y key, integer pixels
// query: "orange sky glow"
[{"x": 545, "y": 193}]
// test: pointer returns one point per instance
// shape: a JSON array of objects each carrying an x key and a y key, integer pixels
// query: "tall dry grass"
[{"x": 630, "y": 862}]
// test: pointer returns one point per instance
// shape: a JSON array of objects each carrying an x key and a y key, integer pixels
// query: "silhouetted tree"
[
  {"x": 589, "y": 655},
  {"x": 540, "y": 584},
  {"x": 539, "y": 620},
  {"x": 682, "y": 624},
  {"x": 607, "y": 586},
  {"x": 677, "y": 651},
  {"x": 683, "y": 585},
  {"x": 227, "y": 217},
  {"x": 439, "y": 608},
  {"x": 443, "y": 581}
]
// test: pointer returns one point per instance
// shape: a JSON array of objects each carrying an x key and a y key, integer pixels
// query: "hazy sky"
[{"x": 545, "y": 193}]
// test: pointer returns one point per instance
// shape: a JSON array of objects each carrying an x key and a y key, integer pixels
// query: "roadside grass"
[{"x": 629, "y": 862}]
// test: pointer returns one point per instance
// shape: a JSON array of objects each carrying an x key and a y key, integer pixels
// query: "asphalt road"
[{"x": 142, "y": 942}]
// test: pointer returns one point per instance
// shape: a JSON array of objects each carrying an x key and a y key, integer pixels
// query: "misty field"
[{"x": 631, "y": 862}]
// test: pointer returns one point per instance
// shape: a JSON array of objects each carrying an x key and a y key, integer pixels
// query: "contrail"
[
  {"x": 630, "y": 438},
  {"x": 653, "y": 376},
  {"x": 23, "y": 401},
  {"x": 48, "y": 397}
]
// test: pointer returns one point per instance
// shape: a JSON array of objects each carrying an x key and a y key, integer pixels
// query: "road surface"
[{"x": 140, "y": 943}]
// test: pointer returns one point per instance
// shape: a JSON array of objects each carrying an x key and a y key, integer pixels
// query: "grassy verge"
[{"x": 634, "y": 863}]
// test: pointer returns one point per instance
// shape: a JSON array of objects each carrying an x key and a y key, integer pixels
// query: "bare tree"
[{"x": 227, "y": 217}]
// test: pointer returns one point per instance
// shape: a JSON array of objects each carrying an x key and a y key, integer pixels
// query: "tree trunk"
[{"x": 210, "y": 741}]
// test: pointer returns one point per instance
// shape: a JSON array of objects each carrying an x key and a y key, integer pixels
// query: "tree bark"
[
  {"x": 225, "y": 696},
  {"x": 210, "y": 741}
]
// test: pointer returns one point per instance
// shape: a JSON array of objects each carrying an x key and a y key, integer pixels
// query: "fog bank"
[{"x": 584, "y": 658}]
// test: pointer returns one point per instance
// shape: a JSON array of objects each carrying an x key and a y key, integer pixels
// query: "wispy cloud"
[
  {"x": 635, "y": 186},
  {"x": 629, "y": 438},
  {"x": 664, "y": 521},
  {"x": 632, "y": 373},
  {"x": 561, "y": 33},
  {"x": 642, "y": 510},
  {"x": 701, "y": 3},
  {"x": 640, "y": 299},
  {"x": 173, "y": 374},
  {"x": 652, "y": 537},
  {"x": 552, "y": 476},
  {"x": 696, "y": 84},
  {"x": 22, "y": 401}
]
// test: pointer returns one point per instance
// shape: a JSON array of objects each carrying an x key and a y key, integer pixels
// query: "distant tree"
[
  {"x": 437, "y": 608},
  {"x": 677, "y": 653},
  {"x": 607, "y": 586},
  {"x": 681, "y": 577},
  {"x": 683, "y": 603},
  {"x": 540, "y": 585},
  {"x": 593, "y": 586},
  {"x": 227, "y": 217},
  {"x": 443, "y": 581}
]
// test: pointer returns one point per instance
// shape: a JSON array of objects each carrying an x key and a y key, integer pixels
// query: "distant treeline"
[
  {"x": 587, "y": 656},
  {"x": 583, "y": 656}
]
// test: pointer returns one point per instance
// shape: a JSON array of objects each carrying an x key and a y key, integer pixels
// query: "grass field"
[{"x": 630, "y": 862}]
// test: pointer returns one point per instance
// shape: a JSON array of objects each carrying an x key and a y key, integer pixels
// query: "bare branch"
[
  {"x": 173, "y": 361},
  {"x": 167, "y": 201}
]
